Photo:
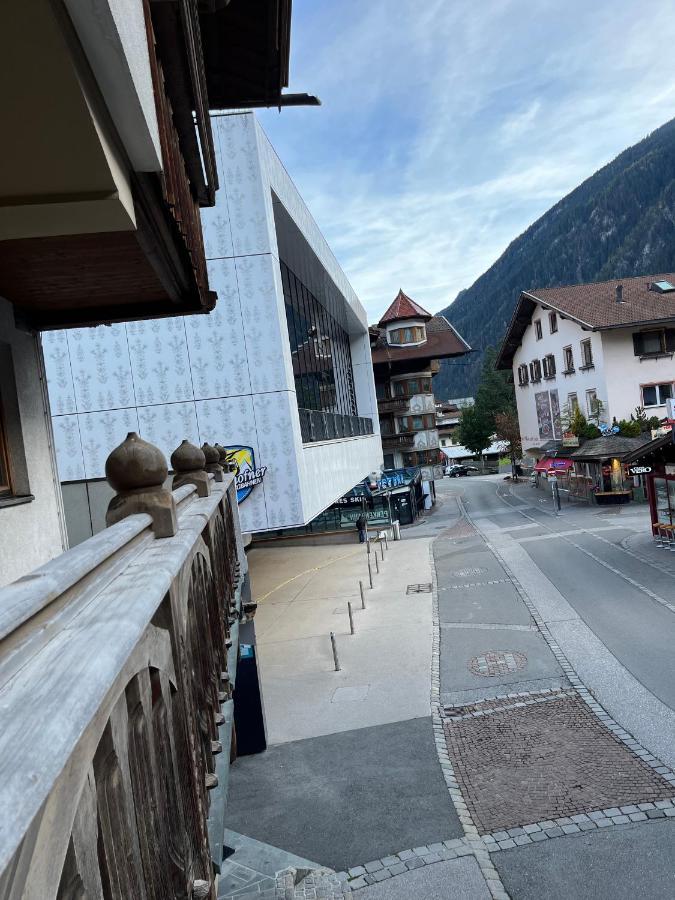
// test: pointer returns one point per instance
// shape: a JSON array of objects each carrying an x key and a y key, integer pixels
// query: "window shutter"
[
  {"x": 670, "y": 340},
  {"x": 637, "y": 344}
]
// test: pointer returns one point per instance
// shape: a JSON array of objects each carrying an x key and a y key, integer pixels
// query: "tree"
[
  {"x": 495, "y": 397},
  {"x": 475, "y": 429},
  {"x": 507, "y": 429}
]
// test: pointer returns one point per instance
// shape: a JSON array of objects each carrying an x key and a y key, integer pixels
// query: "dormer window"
[{"x": 414, "y": 334}]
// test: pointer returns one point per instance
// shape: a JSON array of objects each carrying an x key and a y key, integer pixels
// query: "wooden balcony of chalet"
[
  {"x": 400, "y": 441},
  {"x": 389, "y": 405},
  {"x": 117, "y": 664}
]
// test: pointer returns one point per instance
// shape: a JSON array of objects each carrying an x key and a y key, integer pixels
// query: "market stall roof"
[
  {"x": 610, "y": 447},
  {"x": 660, "y": 445}
]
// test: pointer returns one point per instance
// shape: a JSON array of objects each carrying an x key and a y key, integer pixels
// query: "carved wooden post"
[
  {"x": 227, "y": 464},
  {"x": 212, "y": 456},
  {"x": 137, "y": 470},
  {"x": 188, "y": 464}
]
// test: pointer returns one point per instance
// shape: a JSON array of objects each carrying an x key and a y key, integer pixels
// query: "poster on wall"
[
  {"x": 544, "y": 420},
  {"x": 247, "y": 474},
  {"x": 555, "y": 411}
]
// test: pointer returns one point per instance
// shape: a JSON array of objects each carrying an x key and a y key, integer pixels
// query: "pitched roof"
[
  {"x": 593, "y": 306},
  {"x": 610, "y": 446},
  {"x": 442, "y": 342},
  {"x": 404, "y": 307}
]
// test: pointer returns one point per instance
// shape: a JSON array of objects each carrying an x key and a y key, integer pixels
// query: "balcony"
[
  {"x": 399, "y": 441},
  {"x": 316, "y": 425},
  {"x": 392, "y": 405},
  {"x": 117, "y": 664}
]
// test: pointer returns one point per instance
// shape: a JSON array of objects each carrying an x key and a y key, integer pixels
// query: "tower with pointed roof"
[{"x": 407, "y": 344}]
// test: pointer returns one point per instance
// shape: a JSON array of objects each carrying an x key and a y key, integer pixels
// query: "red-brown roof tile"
[
  {"x": 593, "y": 306},
  {"x": 404, "y": 307}
]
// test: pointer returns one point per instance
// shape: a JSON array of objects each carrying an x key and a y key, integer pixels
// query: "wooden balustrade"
[{"x": 117, "y": 663}]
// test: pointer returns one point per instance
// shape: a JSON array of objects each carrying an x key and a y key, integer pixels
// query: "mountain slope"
[{"x": 619, "y": 222}]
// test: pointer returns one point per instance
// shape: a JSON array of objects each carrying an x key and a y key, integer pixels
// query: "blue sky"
[{"x": 447, "y": 127}]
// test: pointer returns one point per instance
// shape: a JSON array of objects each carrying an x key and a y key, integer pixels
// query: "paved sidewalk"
[{"x": 303, "y": 594}]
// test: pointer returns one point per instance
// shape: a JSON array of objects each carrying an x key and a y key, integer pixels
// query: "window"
[
  {"x": 568, "y": 360},
  {"x": 417, "y": 423},
  {"x": 386, "y": 426},
  {"x": 422, "y": 458},
  {"x": 572, "y": 403},
  {"x": 656, "y": 394},
  {"x": 535, "y": 370},
  {"x": 651, "y": 343},
  {"x": 320, "y": 350},
  {"x": 552, "y": 322},
  {"x": 537, "y": 329},
  {"x": 586, "y": 355},
  {"x": 14, "y": 483},
  {"x": 592, "y": 404},
  {"x": 549, "y": 366},
  {"x": 413, "y": 386},
  {"x": 523, "y": 377},
  {"x": 413, "y": 335}
]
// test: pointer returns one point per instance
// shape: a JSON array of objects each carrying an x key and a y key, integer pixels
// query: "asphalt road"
[{"x": 637, "y": 629}]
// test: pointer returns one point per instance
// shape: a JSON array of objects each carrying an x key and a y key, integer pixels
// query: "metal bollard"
[
  {"x": 335, "y": 653},
  {"x": 351, "y": 616},
  {"x": 382, "y": 550},
  {"x": 368, "y": 546},
  {"x": 386, "y": 544},
  {"x": 363, "y": 599},
  {"x": 377, "y": 565},
  {"x": 370, "y": 574}
]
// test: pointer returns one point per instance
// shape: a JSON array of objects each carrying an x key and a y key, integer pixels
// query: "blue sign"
[{"x": 247, "y": 475}]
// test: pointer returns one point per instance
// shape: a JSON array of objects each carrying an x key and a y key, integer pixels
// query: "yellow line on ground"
[{"x": 306, "y": 572}]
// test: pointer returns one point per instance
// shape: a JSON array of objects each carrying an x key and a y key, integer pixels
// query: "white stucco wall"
[
  {"x": 32, "y": 533},
  {"x": 226, "y": 377},
  {"x": 627, "y": 372},
  {"x": 114, "y": 38},
  {"x": 568, "y": 334}
]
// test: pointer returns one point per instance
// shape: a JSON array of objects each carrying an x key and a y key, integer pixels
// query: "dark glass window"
[{"x": 320, "y": 351}]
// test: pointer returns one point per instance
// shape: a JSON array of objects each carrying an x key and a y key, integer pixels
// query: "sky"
[{"x": 447, "y": 127}]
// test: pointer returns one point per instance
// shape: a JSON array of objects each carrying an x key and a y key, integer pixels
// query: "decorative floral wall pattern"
[{"x": 225, "y": 377}]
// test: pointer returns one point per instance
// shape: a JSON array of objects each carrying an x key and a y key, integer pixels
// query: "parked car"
[{"x": 458, "y": 469}]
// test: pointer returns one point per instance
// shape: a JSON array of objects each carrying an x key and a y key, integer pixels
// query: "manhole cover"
[
  {"x": 419, "y": 588},
  {"x": 468, "y": 573},
  {"x": 497, "y": 662}
]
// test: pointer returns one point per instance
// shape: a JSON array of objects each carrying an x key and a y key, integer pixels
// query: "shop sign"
[
  {"x": 350, "y": 501},
  {"x": 639, "y": 470},
  {"x": 247, "y": 474},
  {"x": 569, "y": 439},
  {"x": 396, "y": 479}
]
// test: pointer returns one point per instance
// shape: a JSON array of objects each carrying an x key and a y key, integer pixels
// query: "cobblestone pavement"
[{"x": 545, "y": 761}]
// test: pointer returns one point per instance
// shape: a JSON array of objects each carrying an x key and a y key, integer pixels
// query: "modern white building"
[
  {"x": 280, "y": 372},
  {"x": 606, "y": 348}
]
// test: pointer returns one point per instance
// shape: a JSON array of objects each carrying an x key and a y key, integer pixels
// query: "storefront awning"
[{"x": 559, "y": 465}]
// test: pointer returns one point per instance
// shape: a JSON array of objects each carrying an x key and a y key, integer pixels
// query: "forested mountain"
[{"x": 619, "y": 222}]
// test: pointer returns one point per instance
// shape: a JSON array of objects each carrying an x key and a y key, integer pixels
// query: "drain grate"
[
  {"x": 497, "y": 662},
  {"x": 419, "y": 588}
]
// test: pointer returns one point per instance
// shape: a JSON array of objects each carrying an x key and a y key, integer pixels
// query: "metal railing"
[
  {"x": 117, "y": 664},
  {"x": 316, "y": 425}
]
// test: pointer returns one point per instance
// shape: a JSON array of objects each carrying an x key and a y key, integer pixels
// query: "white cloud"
[{"x": 445, "y": 133}]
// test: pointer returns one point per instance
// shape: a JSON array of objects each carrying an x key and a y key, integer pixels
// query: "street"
[
  {"x": 503, "y": 721},
  {"x": 572, "y": 613}
]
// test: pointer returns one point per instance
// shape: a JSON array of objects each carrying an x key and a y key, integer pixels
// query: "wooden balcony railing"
[
  {"x": 117, "y": 664},
  {"x": 396, "y": 441},
  {"x": 392, "y": 405},
  {"x": 180, "y": 196}
]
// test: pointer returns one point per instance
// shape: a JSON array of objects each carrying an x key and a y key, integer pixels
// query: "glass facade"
[{"x": 320, "y": 350}]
